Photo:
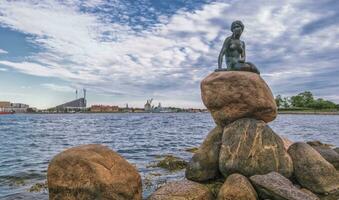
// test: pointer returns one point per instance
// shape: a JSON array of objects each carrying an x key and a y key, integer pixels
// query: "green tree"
[
  {"x": 278, "y": 100},
  {"x": 286, "y": 102},
  {"x": 304, "y": 99}
]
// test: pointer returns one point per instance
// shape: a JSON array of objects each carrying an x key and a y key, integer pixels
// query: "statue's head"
[{"x": 237, "y": 27}]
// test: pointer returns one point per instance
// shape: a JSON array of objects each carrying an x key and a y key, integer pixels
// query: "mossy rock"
[
  {"x": 214, "y": 186},
  {"x": 38, "y": 187},
  {"x": 192, "y": 149},
  {"x": 170, "y": 163}
]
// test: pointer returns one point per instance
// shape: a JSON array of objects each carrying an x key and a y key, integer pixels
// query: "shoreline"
[{"x": 308, "y": 112}]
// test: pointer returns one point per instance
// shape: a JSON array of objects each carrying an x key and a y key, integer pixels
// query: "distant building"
[
  {"x": 75, "y": 105},
  {"x": 7, "y": 106},
  {"x": 148, "y": 106},
  {"x": 104, "y": 108}
]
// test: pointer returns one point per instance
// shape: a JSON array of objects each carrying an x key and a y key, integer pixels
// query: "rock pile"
[{"x": 245, "y": 151}]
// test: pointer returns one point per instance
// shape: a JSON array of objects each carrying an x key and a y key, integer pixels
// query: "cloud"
[
  {"x": 142, "y": 51},
  {"x": 3, "y": 69},
  {"x": 58, "y": 88},
  {"x": 3, "y": 51}
]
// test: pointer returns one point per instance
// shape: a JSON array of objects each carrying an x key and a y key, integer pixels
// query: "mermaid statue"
[{"x": 234, "y": 51}]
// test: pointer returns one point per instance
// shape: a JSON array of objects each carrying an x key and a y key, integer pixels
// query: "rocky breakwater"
[
  {"x": 245, "y": 152},
  {"x": 92, "y": 172}
]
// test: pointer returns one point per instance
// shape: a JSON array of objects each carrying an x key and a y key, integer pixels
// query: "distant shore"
[{"x": 309, "y": 112}]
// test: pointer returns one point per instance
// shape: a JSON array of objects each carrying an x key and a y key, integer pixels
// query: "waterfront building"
[
  {"x": 104, "y": 108},
  {"x": 77, "y": 105},
  {"x": 6, "y": 106}
]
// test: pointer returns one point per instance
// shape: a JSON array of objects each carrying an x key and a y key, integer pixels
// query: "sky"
[{"x": 129, "y": 51}]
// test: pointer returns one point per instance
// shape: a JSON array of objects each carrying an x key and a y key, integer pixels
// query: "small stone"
[
  {"x": 182, "y": 190},
  {"x": 92, "y": 172},
  {"x": 250, "y": 147},
  {"x": 204, "y": 164},
  {"x": 276, "y": 187},
  {"x": 311, "y": 170},
  {"x": 231, "y": 95},
  {"x": 237, "y": 187}
]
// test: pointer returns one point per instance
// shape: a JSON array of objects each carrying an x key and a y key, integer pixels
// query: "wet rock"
[
  {"x": 204, "y": 164},
  {"x": 192, "y": 149},
  {"x": 38, "y": 187},
  {"x": 326, "y": 152},
  {"x": 250, "y": 147},
  {"x": 276, "y": 187},
  {"x": 237, "y": 187},
  {"x": 182, "y": 190},
  {"x": 231, "y": 95},
  {"x": 311, "y": 170},
  {"x": 92, "y": 172},
  {"x": 170, "y": 163}
]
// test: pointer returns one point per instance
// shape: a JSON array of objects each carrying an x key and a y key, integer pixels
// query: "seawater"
[{"x": 29, "y": 141}]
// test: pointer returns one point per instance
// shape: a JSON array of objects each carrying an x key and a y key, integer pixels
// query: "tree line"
[{"x": 304, "y": 100}]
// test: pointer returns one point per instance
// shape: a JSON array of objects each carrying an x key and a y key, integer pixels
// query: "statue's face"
[{"x": 237, "y": 30}]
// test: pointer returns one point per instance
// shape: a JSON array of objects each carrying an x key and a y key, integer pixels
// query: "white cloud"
[
  {"x": 88, "y": 49},
  {"x": 3, "y": 69},
  {"x": 3, "y": 51},
  {"x": 58, "y": 88}
]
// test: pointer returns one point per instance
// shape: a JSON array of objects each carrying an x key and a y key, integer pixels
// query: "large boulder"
[
  {"x": 311, "y": 170},
  {"x": 250, "y": 147},
  {"x": 326, "y": 152},
  {"x": 92, "y": 172},
  {"x": 182, "y": 190},
  {"x": 231, "y": 95},
  {"x": 276, "y": 187},
  {"x": 204, "y": 164},
  {"x": 237, "y": 187}
]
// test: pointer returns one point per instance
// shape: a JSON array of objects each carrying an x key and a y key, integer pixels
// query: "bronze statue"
[{"x": 234, "y": 51}]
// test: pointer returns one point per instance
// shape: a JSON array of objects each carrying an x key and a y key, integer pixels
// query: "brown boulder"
[
  {"x": 204, "y": 164},
  {"x": 231, "y": 95},
  {"x": 326, "y": 152},
  {"x": 237, "y": 187},
  {"x": 250, "y": 147},
  {"x": 92, "y": 172},
  {"x": 311, "y": 170},
  {"x": 182, "y": 190},
  {"x": 277, "y": 187}
]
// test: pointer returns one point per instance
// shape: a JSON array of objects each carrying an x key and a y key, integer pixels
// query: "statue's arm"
[
  {"x": 222, "y": 53},
  {"x": 243, "y": 54}
]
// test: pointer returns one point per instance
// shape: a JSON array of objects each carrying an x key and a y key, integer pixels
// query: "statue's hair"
[{"x": 237, "y": 22}]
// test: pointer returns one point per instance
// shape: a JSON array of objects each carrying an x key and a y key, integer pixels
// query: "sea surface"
[{"x": 29, "y": 141}]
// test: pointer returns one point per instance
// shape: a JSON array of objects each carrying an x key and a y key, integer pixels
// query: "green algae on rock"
[{"x": 170, "y": 162}]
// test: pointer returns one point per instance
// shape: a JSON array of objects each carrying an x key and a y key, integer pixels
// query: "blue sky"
[{"x": 128, "y": 51}]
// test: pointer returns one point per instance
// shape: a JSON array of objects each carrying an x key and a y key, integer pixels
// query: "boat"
[{"x": 3, "y": 112}]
